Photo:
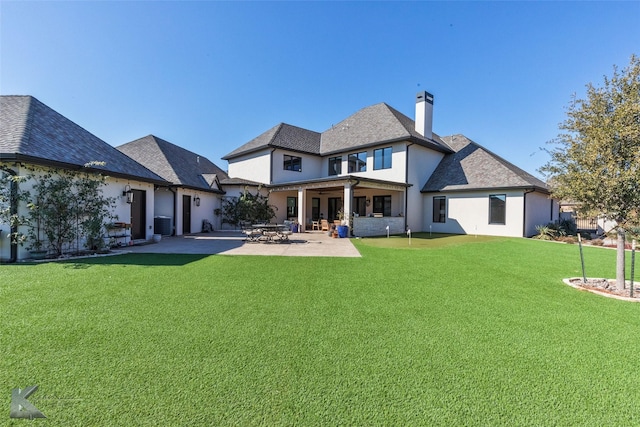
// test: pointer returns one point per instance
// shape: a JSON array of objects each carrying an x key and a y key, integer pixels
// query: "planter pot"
[
  {"x": 157, "y": 238},
  {"x": 343, "y": 231}
]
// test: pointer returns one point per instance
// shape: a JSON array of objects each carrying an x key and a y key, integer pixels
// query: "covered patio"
[{"x": 367, "y": 206}]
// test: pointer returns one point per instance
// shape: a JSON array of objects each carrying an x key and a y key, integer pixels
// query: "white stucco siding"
[
  {"x": 422, "y": 162},
  {"x": 113, "y": 188},
  {"x": 311, "y": 167},
  {"x": 468, "y": 213},
  {"x": 254, "y": 167},
  {"x": 540, "y": 210},
  {"x": 279, "y": 200},
  {"x": 208, "y": 203},
  {"x": 164, "y": 200},
  {"x": 395, "y": 173}
]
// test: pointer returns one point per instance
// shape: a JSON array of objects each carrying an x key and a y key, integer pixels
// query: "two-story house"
[{"x": 392, "y": 173}]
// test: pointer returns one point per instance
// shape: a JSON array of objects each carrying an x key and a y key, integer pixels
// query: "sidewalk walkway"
[{"x": 233, "y": 243}]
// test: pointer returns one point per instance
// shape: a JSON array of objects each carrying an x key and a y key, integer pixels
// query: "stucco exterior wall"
[
  {"x": 468, "y": 213},
  {"x": 253, "y": 167},
  {"x": 113, "y": 188},
  {"x": 311, "y": 167},
  {"x": 540, "y": 210},
  {"x": 422, "y": 163},
  {"x": 396, "y": 173},
  {"x": 208, "y": 203}
]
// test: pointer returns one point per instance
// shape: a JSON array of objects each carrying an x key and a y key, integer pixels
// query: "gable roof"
[
  {"x": 373, "y": 125},
  {"x": 283, "y": 136},
  {"x": 473, "y": 167},
  {"x": 173, "y": 163},
  {"x": 32, "y": 132}
]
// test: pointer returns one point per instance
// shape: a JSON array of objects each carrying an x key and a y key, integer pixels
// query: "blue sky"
[{"x": 210, "y": 76}]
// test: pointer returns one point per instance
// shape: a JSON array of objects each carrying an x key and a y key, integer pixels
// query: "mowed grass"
[{"x": 466, "y": 333}]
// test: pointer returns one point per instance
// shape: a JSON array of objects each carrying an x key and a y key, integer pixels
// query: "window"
[
  {"x": 292, "y": 163},
  {"x": 497, "y": 208},
  {"x": 358, "y": 162},
  {"x": 292, "y": 207},
  {"x": 382, "y": 158},
  {"x": 335, "y": 165},
  {"x": 439, "y": 209},
  {"x": 382, "y": 204},
  {"x": 360, "y": 205}
]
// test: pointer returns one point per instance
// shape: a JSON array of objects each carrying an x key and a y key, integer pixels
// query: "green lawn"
[{"x": 449, "y": 331}]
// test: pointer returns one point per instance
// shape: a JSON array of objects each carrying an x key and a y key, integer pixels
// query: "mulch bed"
[{"x": 606, "y": 287}]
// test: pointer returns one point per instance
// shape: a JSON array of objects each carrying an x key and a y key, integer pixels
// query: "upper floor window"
[
  {"x": 292, "y": 163},
  {"x": 358, "y": 162},
  {"x": 382, "y": 158},
  {"x": 439, "y": 209},
  {"x": 335, "y": 165},
  {"x": 497, "y": 208}
]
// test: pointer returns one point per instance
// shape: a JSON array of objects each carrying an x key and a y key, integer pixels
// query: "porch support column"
[
  {"x": 302, "y": 209},
  {"x": 347, "y": 208}
]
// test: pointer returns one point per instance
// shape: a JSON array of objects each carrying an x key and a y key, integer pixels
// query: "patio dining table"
[{"x": 267, "y": 233}]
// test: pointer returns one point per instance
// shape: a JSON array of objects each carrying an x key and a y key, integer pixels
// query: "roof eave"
[
  {"x": 464, "y": 190},
  {"x": 22, "y": 158},
  {"x": 195, "y": 188}
]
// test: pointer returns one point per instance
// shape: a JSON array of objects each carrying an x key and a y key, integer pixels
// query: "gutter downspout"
[
  {"x": 406, "y": 190},
  {"x": 175, "y": 198},
  {"x": 524, "y": 211},
  {"x": 271, "y": 165}
]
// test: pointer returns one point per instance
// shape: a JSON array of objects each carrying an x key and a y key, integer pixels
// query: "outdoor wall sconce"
[
  {"x": 196, "y": 200},
  {"x": 368, "y": 202},
  {"x": 128, "y": 193}
]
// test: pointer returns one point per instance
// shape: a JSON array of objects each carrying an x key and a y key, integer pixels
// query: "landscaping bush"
[
  {"x": 568, "y": 239},
  {"x": 545, "y": 232}
]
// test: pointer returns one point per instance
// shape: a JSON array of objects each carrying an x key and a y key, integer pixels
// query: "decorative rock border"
[{"x": 603, "y": 293}]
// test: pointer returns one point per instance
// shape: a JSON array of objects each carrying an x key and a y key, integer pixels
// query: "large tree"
[{"x": 596, "y": 161}]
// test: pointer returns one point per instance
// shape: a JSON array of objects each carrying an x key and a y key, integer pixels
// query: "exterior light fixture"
[
  {"x": 128, "y": 193},
  {"x": 196, "y": 200},
  {"x": 368, "y": 201}
]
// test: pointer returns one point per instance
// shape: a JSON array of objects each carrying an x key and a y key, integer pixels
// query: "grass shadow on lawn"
[{"x": 145, "y": 259}]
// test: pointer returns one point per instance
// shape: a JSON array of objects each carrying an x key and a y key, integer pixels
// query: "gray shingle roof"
[
  {"x": 372, "y": 125},
  {"x": 473, "y": 167},
  {"x": 281, "y": 136},
  {"x": 240, "y": 181},
  {"x": 31, "y": 131},
  {"x": 175, "y": 164}
]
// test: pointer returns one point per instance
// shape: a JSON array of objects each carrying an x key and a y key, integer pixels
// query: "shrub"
[
  {"x": 545, "y": 232},
  {"x": 568, "y": 239},
  {"x": 568, "y": 227}
]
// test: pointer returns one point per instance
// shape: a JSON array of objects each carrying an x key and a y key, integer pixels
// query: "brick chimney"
[{"x": 424, "y": 114}]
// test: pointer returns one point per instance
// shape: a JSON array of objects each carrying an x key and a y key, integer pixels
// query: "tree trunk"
[{"x": 620, "y": 260}]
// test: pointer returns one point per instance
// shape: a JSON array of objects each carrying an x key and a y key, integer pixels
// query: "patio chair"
[{"x": 325, "y": 225}]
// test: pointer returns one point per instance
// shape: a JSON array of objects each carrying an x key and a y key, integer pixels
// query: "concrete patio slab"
[{"x": 233, "y": 243}]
